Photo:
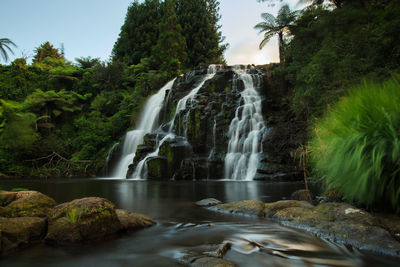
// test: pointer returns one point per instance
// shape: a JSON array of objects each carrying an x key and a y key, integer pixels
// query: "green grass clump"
[{"x": 356, "y": 147}]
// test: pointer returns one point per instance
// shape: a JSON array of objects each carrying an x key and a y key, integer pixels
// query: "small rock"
[
  {"x": 133, "y": 221},
  {"x": 302, "y": 195},
  {"x": 208, "y": 202}
]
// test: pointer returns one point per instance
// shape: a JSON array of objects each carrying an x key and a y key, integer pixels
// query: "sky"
[{"x": 91, "y": 27}]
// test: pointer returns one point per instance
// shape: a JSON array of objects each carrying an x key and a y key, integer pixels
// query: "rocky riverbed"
[
  {"x": 338, "y": 222},
  {"x": 28, "y": 217}
]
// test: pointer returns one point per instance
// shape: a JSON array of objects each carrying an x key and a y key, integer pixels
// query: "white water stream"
[
  {"x": 141, "y": 168},
  {"x": 148, "y": 122},
  {"x": 245, "y": 130}
]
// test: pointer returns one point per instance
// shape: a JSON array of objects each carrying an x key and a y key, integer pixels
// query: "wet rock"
[
  {"x": 133, "y": 221},
  {"x": 26, "y": 204},
  {"x": 212, "y": 262},
  {"x": 335, "y": 211},
  {"x": 7, "y": 197},
  {"x": 391, "y": 223},
  {"x": 157, "y": 168},
  {"x": 302, "y": 195},
  {"x": 272, "y": 208},
  {"x": 244, "y": 207},
  {"x": 208, "y": 202},
  {"x": 82, "y": 220},
  {"x": 340, "y": 222},
  {"x": 19, "y": 232}
]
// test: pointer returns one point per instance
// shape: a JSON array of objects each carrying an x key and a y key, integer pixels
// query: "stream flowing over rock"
[{"x": 208, "y": 124}]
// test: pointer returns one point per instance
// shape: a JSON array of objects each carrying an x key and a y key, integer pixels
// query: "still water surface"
[{"x": 184, "y": 230}]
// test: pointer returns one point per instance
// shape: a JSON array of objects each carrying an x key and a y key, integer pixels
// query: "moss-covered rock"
[
  {"x": 157, "y": 168},
  {"x": 133, "y": 221},
  {"x": 20, "y": 232},
  {"x": 26, "y": 204},
  {"x": 212, "y": 262},
  {"x": 82, "y": 220},
  {"x": 244, "y": 207},
  {"x": 272, "y": 208}
]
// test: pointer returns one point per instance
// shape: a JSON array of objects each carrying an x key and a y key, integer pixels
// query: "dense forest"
[{"x": 59, "y": 118}]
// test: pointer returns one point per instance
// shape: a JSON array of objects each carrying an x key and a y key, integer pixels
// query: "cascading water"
[
  {"x": 181, "y": 106},
  {"x": 148, "y": 121},
  {"x": 141, "y": 169},
  {"x": 245, "y": 130}
]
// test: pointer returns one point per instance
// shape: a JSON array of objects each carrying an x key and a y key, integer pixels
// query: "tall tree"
[
  {"x": 278, "y": 25},
  {"x": 199, "y": 21},
  {"x": 169, "y": 52},
  {"x": 5, "y": 44},
  {"x": 46, "y": 50},
  {"x": 139, "y": 32}
]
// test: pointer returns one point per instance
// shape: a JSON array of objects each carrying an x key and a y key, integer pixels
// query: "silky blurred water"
[{"x": 185, "y": 231}]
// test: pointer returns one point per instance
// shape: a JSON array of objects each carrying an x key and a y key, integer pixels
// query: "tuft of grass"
[
  {"x": 356, "y": 146},
  {"x": 19, "y": 189}
]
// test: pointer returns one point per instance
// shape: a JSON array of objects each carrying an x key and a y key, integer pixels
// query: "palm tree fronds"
[
  {"x": 267, "y": 37},
  {"x": 5, "y": 44}
]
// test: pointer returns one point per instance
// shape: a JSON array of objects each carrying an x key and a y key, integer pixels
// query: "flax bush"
[{"x": 356, "y": 146}]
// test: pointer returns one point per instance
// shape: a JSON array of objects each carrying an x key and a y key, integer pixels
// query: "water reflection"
[{"x": 185, "y": 231}]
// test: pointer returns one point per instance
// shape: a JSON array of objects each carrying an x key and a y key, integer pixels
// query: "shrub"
[{"x": 356, "y": 146}]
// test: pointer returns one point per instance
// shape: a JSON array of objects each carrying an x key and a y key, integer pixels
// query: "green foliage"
[
  {"x": 169, "y": 52},
  {"x": 199, "y": 21},
  {"x": 356, "y": 147},
  {"x": 333, "y": 49},
  {"x": 18, "y": 189},
  {"x": 145, "y": 34},
  {"x": 139, "y": 32},
  {"x": 44, "y": 51},
  {"x": 278, "y": 25}
]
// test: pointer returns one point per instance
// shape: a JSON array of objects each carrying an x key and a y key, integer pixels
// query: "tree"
[
  {"x": 46, "y": 50},
  {"x": 199, "y": 21},
  {"x": 278, "y": 25},
  {"x": 139, "y": 33},
  {"x": 169, "y": 52},
  {"x": 5, "y": 44}
]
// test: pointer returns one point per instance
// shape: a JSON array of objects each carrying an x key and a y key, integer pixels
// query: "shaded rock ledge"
[
  {"x": 30, "y": 216},
  {"x": 339, "y": 222}
]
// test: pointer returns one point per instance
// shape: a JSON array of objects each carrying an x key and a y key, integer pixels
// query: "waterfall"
[
  {"x": 181, "y": 106},
  {"x": 148, "y": 121},
  {"x": 245, "y": 130},
  {"x": 141, "y": 169}
]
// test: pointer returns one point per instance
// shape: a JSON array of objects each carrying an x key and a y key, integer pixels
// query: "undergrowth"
[{"x": 356, "y": 146}]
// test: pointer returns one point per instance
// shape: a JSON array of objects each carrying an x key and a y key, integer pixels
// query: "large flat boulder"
[{"x": 244, "y": 207}]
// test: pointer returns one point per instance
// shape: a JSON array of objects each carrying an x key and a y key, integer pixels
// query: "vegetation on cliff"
[{"x": 60, "y": 119}]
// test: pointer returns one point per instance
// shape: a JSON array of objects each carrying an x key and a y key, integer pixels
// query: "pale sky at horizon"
[{"x": 91, "y": 27}]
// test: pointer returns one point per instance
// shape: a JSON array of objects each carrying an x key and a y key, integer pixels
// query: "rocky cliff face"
[{"x": 195, "y": 129}]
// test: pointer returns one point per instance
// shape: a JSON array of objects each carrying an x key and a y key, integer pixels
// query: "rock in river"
[
  {"x": 19, "y": 232},
  {"x": 25, "y": 204}
]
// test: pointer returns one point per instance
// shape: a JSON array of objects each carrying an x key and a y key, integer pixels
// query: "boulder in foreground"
[
  {"x": 20, "y": 232},
  {"x": 25, "y": 204}
]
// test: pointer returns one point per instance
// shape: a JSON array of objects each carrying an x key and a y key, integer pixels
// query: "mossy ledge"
[
  {"x": 29, "y": 217},
  {"x": 338, "y": 222}
]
